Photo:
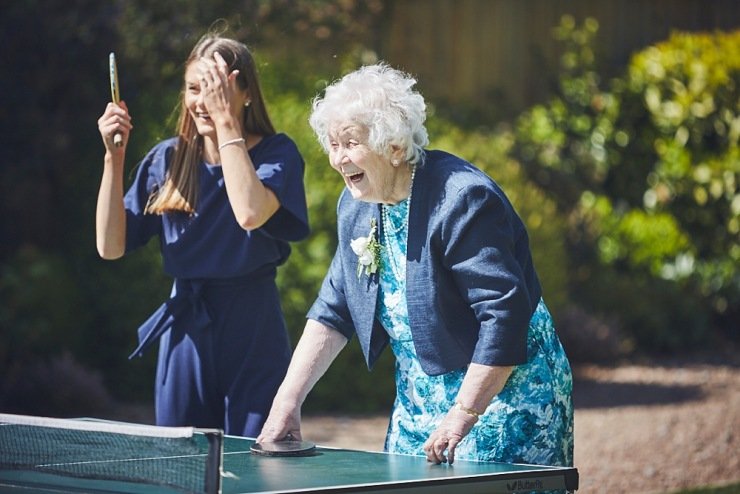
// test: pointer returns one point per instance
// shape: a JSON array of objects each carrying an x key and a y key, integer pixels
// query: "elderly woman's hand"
[
  {"x": 448, "y": 435},
  {"x": 282, "y": 423}
]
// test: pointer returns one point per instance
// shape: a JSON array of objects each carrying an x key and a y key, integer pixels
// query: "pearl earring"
[{"x": 247, "y": 103}]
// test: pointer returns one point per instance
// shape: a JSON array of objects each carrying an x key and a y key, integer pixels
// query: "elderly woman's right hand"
[
  {"x": 115, "y": 120},
  {"x": 282, "y": 422},
  {"x": 316, "y": 349}
]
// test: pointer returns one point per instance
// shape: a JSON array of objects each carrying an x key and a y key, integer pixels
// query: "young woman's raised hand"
[
  {"x": 219, "y": 88},
  {"x": 115, "y": 120}
]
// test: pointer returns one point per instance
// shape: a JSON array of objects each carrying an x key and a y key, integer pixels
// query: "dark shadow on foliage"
[
  {"x": 600, "y": 394},
  {"x": 589, "y": 338},
  {"x": 57, "y": 387}
]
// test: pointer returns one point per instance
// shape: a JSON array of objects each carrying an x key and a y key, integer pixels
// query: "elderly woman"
[{"x": 433, "y": 259}]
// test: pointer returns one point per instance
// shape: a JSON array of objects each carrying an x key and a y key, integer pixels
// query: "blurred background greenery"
[{"x": 625, "y": 169}]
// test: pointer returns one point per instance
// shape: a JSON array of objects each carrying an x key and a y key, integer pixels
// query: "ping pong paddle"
[
  {"x": 288, "y": 447},
  {"x": 114, "y": 92}
]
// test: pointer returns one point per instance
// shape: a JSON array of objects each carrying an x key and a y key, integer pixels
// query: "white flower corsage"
[{"x": 368, "y": 251}]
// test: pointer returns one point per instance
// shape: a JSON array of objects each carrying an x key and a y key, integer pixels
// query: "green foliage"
[
  {"x": 644, "y": 240},
  {"x": 646, "y": 170},
  {"x": 688, "y": 87},
  {"x": 39, "y": 297},
  {"x": 562, "y": 145}
]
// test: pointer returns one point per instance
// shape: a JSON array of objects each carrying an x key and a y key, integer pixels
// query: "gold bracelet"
[
  {"x": 233, "y": 141},
  {"x": 469, "y": 411}
]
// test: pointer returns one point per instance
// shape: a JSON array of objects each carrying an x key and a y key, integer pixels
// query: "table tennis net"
[{"x": 181, "y": 458}]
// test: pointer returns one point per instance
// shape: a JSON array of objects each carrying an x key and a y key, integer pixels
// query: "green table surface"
[{"x": 329, "y": 470}]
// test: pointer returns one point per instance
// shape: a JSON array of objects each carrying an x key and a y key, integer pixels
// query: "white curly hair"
[{"x": 381, "y": 99}]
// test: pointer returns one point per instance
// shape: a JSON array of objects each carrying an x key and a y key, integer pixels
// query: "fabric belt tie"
[
  {"x": 188, "y": 307},
  {"x": 185, "y": 305}
]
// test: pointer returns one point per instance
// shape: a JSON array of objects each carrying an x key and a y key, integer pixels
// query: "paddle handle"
[{"x": 114, "y": 93}]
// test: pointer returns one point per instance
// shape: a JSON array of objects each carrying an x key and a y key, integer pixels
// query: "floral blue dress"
[{"x": 529, "y": 421}]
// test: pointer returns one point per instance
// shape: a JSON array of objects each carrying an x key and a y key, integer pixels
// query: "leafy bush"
[
  {"x": 646, "y": 170},
  {"x": 688, "y": 87}
]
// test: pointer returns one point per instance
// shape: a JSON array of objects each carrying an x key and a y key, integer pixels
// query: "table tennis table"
[{"x": 326, "y": 470}]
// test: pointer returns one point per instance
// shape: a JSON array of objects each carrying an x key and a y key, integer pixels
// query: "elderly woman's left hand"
[{"x": 455, "y": 426}]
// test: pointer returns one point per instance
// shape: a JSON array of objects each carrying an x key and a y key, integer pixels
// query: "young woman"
[{"x": 224, "y": 197}]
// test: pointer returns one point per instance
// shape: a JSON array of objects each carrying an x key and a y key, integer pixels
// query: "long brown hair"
[{"x": 180, "y": 190}]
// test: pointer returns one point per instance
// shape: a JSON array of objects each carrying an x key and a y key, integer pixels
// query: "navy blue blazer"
[{"x": 471, "y": 286}]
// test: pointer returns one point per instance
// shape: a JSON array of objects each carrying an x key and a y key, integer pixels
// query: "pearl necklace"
[{"x": 398, "y": 271}]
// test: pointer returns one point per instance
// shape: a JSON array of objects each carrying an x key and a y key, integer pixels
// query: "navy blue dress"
[{"x": 223, "y": 345}]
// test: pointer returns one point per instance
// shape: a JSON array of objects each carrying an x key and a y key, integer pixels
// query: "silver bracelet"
[{"x": 233, "y": 141}]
